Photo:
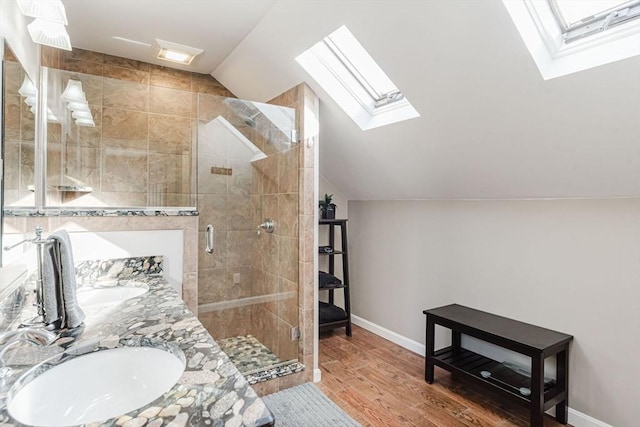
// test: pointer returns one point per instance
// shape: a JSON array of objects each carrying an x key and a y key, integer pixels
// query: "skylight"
[
  {"x": 355, "y": 81},
  {"x": 567, "y": 36},
  {"x": 579, "y": 19}
]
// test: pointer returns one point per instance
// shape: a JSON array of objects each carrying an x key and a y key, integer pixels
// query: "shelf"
[
  {"x": 332, "y": 253},
  {"x": 328, "y": 288},
  {"x": 472, "y": 364},
  {"x": 331, "y": 316}
]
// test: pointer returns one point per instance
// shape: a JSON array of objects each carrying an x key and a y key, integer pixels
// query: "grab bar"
[{"x": 209, "y": 240}]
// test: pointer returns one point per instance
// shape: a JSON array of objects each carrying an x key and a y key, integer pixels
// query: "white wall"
[
  {"x": 13, "y": 28},
  {"x": 568, "y": 265}
]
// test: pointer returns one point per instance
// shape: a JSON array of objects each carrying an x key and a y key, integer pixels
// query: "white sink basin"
[
  {"x": 109, "y": 295},
  {"x": 95, "y": 386}
]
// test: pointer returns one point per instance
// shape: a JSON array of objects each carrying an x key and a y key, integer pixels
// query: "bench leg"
[
  {"x": 562, "y": 380},
  {"x": 428, "y": 357},
  {"x": 537, "y": 391}
]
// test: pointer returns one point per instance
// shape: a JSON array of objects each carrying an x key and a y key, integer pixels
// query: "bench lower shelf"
[{"x": 516, "y": 385}]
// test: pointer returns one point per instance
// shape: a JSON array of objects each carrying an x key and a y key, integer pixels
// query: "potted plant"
[{"x": 327, "y": 209}]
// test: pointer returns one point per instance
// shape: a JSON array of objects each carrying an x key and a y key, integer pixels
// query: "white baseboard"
[
  {"x": 385, "y": 333},
  {"x": 576, "y": 418},
  {"x": 317, "y": 375}
]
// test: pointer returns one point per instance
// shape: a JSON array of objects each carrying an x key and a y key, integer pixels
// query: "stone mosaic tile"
[
  {"x": 255, "y": 360},
  {"x": 247, "y": 353},
  {"x": 119, "y": 268},
  {"x": 27, "y": 212}
]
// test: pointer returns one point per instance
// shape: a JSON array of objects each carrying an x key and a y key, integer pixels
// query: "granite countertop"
[{"x": 210, "y": 392}]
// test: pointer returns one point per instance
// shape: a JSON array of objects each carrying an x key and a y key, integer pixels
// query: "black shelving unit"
[{"x": 332, "y": 316}]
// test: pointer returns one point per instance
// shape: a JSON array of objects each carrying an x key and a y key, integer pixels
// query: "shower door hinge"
[{"x": 295, "y": 333}]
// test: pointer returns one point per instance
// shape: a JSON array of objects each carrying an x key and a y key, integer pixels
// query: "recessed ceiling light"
[
  {"x": 174, "y": 56},
  {"x": 178, "y": 53}
]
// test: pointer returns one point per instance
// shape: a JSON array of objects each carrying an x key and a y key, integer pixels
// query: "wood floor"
[{"x": 379, "y": 383}]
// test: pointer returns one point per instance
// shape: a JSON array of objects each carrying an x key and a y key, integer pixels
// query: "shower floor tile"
[{"x": 247, "y": 353}]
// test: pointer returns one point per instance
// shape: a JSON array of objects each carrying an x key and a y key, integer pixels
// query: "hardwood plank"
[{"x": 380, "y": 384}]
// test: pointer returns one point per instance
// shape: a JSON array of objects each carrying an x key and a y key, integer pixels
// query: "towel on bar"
[
  {"x": 59, "y": 273},
  {"x": 49, "y": 285},
  {"x": 328, "y": 281}
]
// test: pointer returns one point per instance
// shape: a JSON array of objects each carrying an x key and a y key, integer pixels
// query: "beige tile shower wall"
[
  {"x": 140, "y": 151},
  {"x": 188, "y": 224}
]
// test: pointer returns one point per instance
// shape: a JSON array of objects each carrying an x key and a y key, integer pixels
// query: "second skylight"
[{"x": 355, "y": 81}]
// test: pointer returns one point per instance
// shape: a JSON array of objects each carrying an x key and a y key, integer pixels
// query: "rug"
[{"x": 306, "y": 406}]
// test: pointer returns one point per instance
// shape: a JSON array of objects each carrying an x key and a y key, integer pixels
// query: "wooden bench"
[{"x": 532, "y": 341}]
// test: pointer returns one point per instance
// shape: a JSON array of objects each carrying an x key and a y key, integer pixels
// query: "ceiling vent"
[{"x": 174, "y": 52}]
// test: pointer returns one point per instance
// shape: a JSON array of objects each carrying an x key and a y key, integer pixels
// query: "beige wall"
[{"x": 568, "y": 265}]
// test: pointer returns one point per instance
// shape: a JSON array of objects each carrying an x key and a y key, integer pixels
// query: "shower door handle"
[{"x": 209, "y": 240}]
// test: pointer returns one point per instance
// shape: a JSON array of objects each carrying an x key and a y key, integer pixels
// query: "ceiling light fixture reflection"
[
  {"x": 82, "y": 115},
  {"x": 73, "y": 92},
  {"x": 27, "y": 88},
  {"x": 77, "y": 103}
]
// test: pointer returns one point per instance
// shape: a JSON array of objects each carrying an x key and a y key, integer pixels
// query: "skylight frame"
[
  {"x": 594, "y": 24},
  {"x": 346, "y": 71},
  {"x": 554, "y": 58}
]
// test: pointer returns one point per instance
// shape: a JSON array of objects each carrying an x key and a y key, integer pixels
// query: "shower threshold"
[{"x": 255, "y": 361}]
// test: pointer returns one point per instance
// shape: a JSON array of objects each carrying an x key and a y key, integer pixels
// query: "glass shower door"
[{"x": 247, "y": 175}]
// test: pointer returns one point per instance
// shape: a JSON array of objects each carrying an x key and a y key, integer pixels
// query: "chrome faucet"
[{"x": 34, "y": 336}]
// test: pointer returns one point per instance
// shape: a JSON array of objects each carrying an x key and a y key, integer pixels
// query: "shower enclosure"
[
  {"x": 247, "y": 176},
  {"x": 138, "y": 146}
]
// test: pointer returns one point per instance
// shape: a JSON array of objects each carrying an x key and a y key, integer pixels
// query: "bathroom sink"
[
  {"x": 95, "y": 386},
  {"x": 107, "y": 295}
]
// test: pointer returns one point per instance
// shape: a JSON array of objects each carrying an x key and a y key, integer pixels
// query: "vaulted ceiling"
[{"x": 490, "y": 126}]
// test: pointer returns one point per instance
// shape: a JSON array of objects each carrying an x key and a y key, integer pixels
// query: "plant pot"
[{"x": 328, "y": 211}]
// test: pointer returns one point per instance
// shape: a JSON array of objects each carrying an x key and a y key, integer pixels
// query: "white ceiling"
[
  {"x": 490, "y": 127},
  {"x": 216, "y": 26}
]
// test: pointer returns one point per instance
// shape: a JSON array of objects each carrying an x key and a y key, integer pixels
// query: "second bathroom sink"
[{"x": 110, "y": 294}]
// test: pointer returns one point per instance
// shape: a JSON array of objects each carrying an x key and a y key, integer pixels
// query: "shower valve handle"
[{"x": 268, "y": 225}]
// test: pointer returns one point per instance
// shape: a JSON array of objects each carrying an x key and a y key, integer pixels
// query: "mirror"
[
  {"x": 18, "y": 133},
  {"x": 18, "y": 142}
]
